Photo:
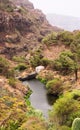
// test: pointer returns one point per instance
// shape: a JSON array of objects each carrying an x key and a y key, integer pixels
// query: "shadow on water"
[
  {"x": 51, "y": 99},
  {"x": 39, "y": 98}
]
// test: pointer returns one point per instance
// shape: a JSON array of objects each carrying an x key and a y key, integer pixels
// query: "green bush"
[
  {"x": 2, "y": 128},
  {"x": 75, "y": 47},
  {"x": 76, "y": 124},
  {"x": 52, "y": 127},
  {"x": 4, "y": 66},
  {"x": 21, "y": 67},
  {"x": 46, "y": 62},
  {"x": 54, "y": 86},
  {"x": 64, "y": 128},
  {"x": 20, "y": 59},
  {"x": 42, "y": 79},
  {"x": 76, "y": 34},
  {"x": 36, "y": 59},
  {"x": 66, "y": 37},
  {"x": 65, "y": 63},
  {"x": 12, "y": 82},
  {"x": 66, "y": 109},
  {"x": 9, "y": 8},
  {"x": 13, "y": 125},
  {"x": 50, "y": 39},
  {"x": 10, "y": 73}
]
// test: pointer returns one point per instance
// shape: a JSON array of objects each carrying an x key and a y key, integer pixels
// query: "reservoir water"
[{"x": 39, "y": 98}]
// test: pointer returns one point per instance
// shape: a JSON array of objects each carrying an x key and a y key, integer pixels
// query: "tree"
[
  {"x": 66, "y": 37},
  {"x": 66, "y": 109},
  {"x": 50, "y": 39},
  {"x": 66, "y": 63},
  {"x": 75, "y": 48}
]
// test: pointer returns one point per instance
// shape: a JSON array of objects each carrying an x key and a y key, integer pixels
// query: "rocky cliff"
[
  {"x": 21, "y": 27},
  {"x": 26, "y": 3}
]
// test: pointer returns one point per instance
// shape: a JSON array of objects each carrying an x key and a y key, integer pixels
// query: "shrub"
[
  {"x": 21, "y": 67},
  {"x": 12, "y": 82},
  {"x": 75, "y": 47},
  {"x": 10, "y": 73},
  {"x": 54, "y": 86},
  {"x": 36, "y": 59},
  {"x": 2, "y": 128},
  {"x": 52, "y": 127},
  {"x": 9, "y": 8},
  {"x": 45, "y": 62},
  {"x": 65, "y": 63},
  {"x": 66, "y": 37},
  {"x": 42, "y": 79},
  {"x": 50, "y": 39},
  {"x": 45, "y": 76},
  {"x": 4, "y": 66},
  {"x": 76, "y": 124},
  {"x": 64, "y": 128},
  {"x": 66, "y": 109},
  {"x": 13, "y": 125},
  {"x": 20, "y": 59},
  {"x": 76, "y": 34}
]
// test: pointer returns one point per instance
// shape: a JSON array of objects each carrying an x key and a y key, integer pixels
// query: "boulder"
[
  {"x": 28, "y": 77},
  {"x": 39, "y": 68}
]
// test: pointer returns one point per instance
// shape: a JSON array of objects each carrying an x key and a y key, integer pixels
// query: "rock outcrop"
[
  {"x": 24, "y": 3},
  {"x": 21, "y": 26},
  {"x": 28, "y": 77}
]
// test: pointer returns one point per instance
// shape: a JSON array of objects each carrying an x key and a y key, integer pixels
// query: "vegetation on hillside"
[
  {"x": 66, "y": 109},
  {"x": 21, "y": 50},
  {"x": 68, "y": 61},
  {"x": 17, "y": 113}
]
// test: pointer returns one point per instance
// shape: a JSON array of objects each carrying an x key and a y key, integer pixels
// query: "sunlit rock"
[{"x": 39, "y": 68}]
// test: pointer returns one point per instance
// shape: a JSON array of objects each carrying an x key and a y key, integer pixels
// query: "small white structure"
[{"x": 39, "y": 68}]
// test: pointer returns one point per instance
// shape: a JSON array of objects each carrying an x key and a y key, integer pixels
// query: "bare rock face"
[
  {"x": 6, "y": 22},
  {"x": 21, "y": 27},
  {"x": 22, "y": 19},
  {"x": 10, "y": 22}
]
